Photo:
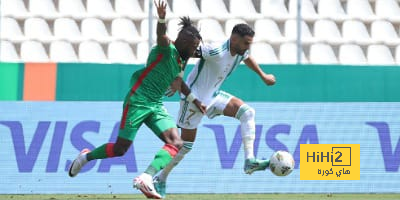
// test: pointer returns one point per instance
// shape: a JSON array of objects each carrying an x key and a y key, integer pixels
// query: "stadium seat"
[
  {"x": 275, "y": 9},
  {"x": 125, "y": 29},
  {"x": 288, "y": 54},
  {"x": 100, "y": 9},
  {"x": 62, "y": 51},
  {"x": 397, "y": 57},
  {"x": 244, "y": 9},
  {"x": 33, "y": 51},
  {"x": 230, "y": 23},
  {"x": 120, "y": 52},
  {"x": 355, "y": 31},
  {"x": 43, "y": 8},
  {"x": 173, "y": 28},
  {"x": 216, "y": 9},
  {"x": 379, "y": 54},
  {"x": 14, "y": 8},
  {"x": 388, "y": 9},
  {"x": 263, "y": 53},
  {"x": 291, "y": 30},
  {"x": 331, "y": 9},
  {"x": 10, "y": 30},
  {"x": 91, "y": 52},
  {"x": 95, "y": 28},
  {"x": 267, "y": 30},
  {"x": 144, "y": 29},
  {"x": 327, "y": 30},
  {"x": 37, "y": 28},
  {"x": 142, "y": 51},
  {"x": 67, "y": 29},
  {"x": 72, "y": 8},
  {"x": 8, "y": 53},
  {"x": 360, "y": 9},
  {"x": 130, "y": 9},
  {"x": 211, "y": 30},
  {"x": 383, "y": 30},
  {"x": 351, "y": 54},
  {"x": 187, "y": 8},
  {"x": 308, "y": 12},
  {"x": 321, "y": 53}
]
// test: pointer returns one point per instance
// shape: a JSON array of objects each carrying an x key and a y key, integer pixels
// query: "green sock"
[
  {"x": 161, "y": 160},
  {"x": 98, "y": 153}
]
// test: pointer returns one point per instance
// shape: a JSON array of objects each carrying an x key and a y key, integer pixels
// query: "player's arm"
[
  {"x": 269, "y": 79},
  {"x": 162, "y": 38},
  {"x": 185, "y": 90}
]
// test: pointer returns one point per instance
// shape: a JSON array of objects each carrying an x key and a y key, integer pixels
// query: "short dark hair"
[
  {"x": 188, "y": 29},
  {"x": 243, "y": 30}
]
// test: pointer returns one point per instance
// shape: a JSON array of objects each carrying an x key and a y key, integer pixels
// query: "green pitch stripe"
[{"x": 11, "y": 81}]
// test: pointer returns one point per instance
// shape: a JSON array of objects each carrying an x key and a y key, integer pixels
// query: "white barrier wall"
[{"x": 38, "y": 140}]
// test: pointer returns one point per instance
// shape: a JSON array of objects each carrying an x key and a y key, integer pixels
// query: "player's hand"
[
  {"x": 161, "y": 8},
  {"x": 200, "y": 106},
  {"x": 268, "y": 79}
]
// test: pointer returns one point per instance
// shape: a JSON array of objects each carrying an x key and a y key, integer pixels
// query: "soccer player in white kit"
[{"x": 216, "y": 63}]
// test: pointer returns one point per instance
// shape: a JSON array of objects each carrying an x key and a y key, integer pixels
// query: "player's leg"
[
  {"x": 188, "y": 136},
  {"x": 130, "y": 123},
  {"x": 235, "y": 107},
  {"x": 160, "y": 180},
  {"x": 144, "y": 182},
  {"x": 165, "y": 128},
  {"x": 188, "y": 119}
]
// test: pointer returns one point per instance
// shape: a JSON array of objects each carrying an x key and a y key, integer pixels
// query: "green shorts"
[{"x": 155, "y": 117}]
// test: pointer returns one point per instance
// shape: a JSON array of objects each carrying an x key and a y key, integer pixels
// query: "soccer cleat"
[
  {"x": 78, "y": 163},
  {"x": 160, "y": 186},
  {"x": 252, "y": 165},
  {"x": 144, "y": 183}
]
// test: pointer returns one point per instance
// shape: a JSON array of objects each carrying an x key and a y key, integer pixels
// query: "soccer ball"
[{"x": 281, "y": 163}]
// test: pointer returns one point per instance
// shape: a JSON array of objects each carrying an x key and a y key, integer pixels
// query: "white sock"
[
  {"x": 246, "y": 115},
  {"x": 248, "y": 144},
  {"x": 187, "y": 146}
]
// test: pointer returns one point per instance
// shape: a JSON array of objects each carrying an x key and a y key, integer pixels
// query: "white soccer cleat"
[
  {"x": 144, "y": 183},
  {"x": 78, "y": 163}
]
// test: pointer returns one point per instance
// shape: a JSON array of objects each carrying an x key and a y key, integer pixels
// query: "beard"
[
  {"x": 184, "y": 55},
  {"x": 241, "y": 52}
]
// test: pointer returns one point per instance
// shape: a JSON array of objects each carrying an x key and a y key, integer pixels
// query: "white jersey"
[{"x": 212, "y": 69}]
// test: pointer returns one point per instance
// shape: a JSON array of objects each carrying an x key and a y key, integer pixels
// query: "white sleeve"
[{"x": 206, "y": 50}]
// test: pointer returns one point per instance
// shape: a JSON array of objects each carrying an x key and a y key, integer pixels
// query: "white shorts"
[{"x": 189, "y": 116}]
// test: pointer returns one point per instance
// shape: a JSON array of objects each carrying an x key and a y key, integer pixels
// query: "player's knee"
[
  {"x": 120, "y": 150},
  {"x": 177, "y": 142},
  {"x": 246, "y": 113}
]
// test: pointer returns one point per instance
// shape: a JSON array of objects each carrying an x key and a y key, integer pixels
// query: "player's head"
[
  {"x": 241, "y": 38},
  {"x": 188, "y": 38}
]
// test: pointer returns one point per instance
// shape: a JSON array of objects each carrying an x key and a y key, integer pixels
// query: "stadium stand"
[
  {"x": 352, "y": 54},
  {"x": 67, "y": 29},
  {"x": 333, "y": 31},
  {"x": 62, "y": 51},
  {"x": 8, "y": 52},
  {"x": 92, "y": 52},
  {"x": 33, "y": 51},
  {"x": 321, "y": 53}
]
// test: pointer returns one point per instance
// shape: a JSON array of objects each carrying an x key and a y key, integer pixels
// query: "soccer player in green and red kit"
[{"x": 143, "y": 103}]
